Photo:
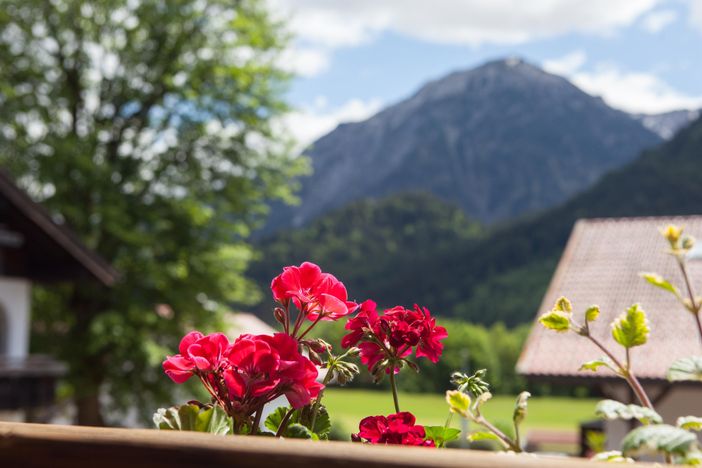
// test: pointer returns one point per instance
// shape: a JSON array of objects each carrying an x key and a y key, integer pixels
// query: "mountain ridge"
[{"x": 500, "y": 140}]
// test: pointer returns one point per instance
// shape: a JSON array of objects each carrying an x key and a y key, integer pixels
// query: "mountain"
[
  {"x": 668, "y": 123},
  {"x": 499, "y": 141},
  {"x": 499, "y": 274}
]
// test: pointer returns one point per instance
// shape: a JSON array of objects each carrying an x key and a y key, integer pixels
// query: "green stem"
[
  {"x": 257, "y": 420},
  {"x": 315, "y": 408},
  {"x": 691, "y": 294},
  {"x": 448, "y": 420},
  {"x": 284, "y": 422},
  {"x": 628, "y": 376},
  {"x": 393, "y": 385},
  {"x": 509, "y": 443}
]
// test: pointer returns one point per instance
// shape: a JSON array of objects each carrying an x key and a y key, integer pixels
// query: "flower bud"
[
  {"x": 688, "y": 242},
  {"x": 280, "y": 315},
  {"x": 353, "y": 352},
  {"x": 672, "y": 233}
]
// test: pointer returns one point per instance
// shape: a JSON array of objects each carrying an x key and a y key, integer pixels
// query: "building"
[
  {"x": 601, "y": 265},
  {"x": 33, "y": 250}
]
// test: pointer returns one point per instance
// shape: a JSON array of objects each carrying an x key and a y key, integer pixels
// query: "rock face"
[
  {"x": 499, "y": 140},
  {"x": 667, "y": 123}
]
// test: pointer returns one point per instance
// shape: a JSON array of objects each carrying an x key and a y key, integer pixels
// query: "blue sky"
[{"x": 354, "y": 57}]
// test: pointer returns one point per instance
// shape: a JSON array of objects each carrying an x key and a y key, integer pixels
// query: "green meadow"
[{"x": 348, "y": 407}]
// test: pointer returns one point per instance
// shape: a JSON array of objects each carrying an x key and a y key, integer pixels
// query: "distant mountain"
[
  {"x": 668, "y": 123},
  {"x": 499, "y": 141},
  {"x": 484, "y": 276}
]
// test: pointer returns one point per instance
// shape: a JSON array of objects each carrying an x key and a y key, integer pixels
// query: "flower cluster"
[
  {"x": 395, "y": 429},
  {"x": 245, "y": 375},
  {"x": 317, "y": 295},
  {"x": 387, "y": 340}
]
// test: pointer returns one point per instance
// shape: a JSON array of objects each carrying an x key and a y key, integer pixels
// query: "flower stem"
[
  {"x": 319, "y": 317},
  {"x": 393, "y": 385},
  {"x": 257, "y": 420},
  {"x": 315, "y": 408},
  {"x": 500, "y": 435},
  {"x": 626, "y": 373},
  {"x": 284, "y": 423},
  {"x": 691, "y": 293}
]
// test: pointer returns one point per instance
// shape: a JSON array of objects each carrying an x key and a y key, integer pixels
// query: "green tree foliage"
[{"x": 147, "y": 126}]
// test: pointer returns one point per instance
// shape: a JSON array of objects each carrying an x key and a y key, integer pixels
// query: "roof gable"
[
  {"x": 601, "y": 265},
  {"x": 54, "y": 253}
]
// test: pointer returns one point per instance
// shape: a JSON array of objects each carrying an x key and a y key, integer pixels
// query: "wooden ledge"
[{"x": 37, "y": 445}]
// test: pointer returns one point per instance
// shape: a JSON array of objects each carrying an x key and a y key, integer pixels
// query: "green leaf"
[
  {"x": 658, "y": 438},
  {"x": 631, "y": 328},
  {"x": 693, "y": 458},
  {"x": 592, "y": 313},
  {"x": 658, "y": 281},
  {"x": 555, "y": 320},
  {"x": 611, "y": 409},
  {"x": 303, "y": 417},
  {"x": 597, "y": 363},
  {"x": 272, "y": 422},
  {"x": 690, "y": 423},
  {"x": 458, "y": 402},
  {"x": 689, "y": 368},
  {"x": 614, "y": 456},
  {"x": 484, "y": 435},
  {"x": 563, "y": 305},
  {"x": 441, "y": 435},
  {"x": 298, "y": 431},
  {"x": 322, "y": 425},
  {"x": 193, "y": 418}
]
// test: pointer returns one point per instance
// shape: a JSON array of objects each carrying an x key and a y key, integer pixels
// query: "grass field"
[{"x": 348, "y": 407}]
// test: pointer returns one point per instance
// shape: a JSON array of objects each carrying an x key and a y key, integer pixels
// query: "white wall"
[{"x": 15, "y": 304}]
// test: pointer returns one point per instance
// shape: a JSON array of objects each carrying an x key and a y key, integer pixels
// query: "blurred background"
[{"x": 163, "y": 160}]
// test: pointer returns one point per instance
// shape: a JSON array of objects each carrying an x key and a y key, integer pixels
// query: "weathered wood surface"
[{"x": 35, "y": 445}]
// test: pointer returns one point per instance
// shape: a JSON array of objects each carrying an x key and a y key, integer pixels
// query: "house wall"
[{"x": 15, "y": 305}]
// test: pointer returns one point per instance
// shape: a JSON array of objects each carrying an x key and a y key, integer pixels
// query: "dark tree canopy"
[{"x": 149, "y": 125}]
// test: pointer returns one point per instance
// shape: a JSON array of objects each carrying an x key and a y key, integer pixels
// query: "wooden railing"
[{"x": 34, "y": 445}]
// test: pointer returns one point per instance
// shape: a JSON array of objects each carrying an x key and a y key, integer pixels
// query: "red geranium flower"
[
  {"x": 394, "y": 336},
  {"x": 319, "y": 295},
  {"x": 395, "y": 429},
  {"x": 247, "y": 374},
  {"x": 197, "y": 353}
]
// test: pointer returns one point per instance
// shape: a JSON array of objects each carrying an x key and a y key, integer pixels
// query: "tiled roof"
[{"x": 601, "y": 265}]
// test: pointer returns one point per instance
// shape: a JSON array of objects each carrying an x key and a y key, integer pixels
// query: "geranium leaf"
[
  {"x": 441, "y": 435},
  {"x": 658, "y": 281},
  {"x": 592, "y": 313},
  {"x": 298, "y": 431},
  {"x": 555, "y": 320},
  {"x": 614, "y": 456},
  {"x": 322, "y": 424},
  {"x": 597, "y": 363},
  {"x": 611, "y": 409},
  {"x": 196, "y": 418},
  {"x": 690, "y": 423},
  {"x": 658, "y": 438},
  {"x": 689, "y": 368},
  {"x": 274, "y": 419},
  {"x": 631, "y": 328}
]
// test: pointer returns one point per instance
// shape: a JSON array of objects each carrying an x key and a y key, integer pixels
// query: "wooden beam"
[{"x": 39, "y": 446}]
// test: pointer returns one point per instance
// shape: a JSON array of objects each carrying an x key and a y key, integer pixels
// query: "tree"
[{"x": 149, "y": 126}]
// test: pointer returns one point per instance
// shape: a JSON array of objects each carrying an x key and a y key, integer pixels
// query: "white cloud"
[
  {"x": 631, "y": 91},
  {"x": 634, "y": 91},
  {"x": 305, "y": 61},
  {"x": 656, "y": 21},
  {"x": 696, "y": 14},
  {"x": 472, "y": 22},
  {"x": 311, "y": 122},
  {"x": 566, "y": 65}
]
